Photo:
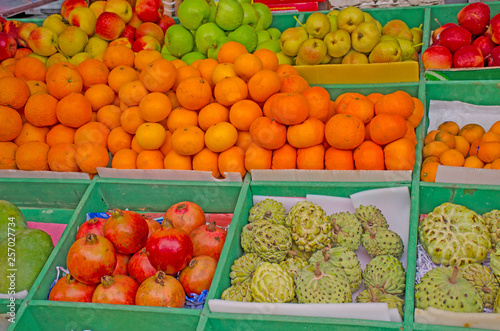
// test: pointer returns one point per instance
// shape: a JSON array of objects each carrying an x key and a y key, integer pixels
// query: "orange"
[
  {"x": 246, "y": 65},
  {"x": 61, "y": 157},
  {"x": 284, "y": 157},
  {"x": 339, "y": 159},
  {"x": 452, "y": 158},
  {"x": 290, "y": 108},
  {"x": 450, "y": 126},
  {"x": 206, "y": 68},
  {"x": 428, "y": 172},
  {"x": 489, "y": 151},
  {"x": 286, "y": 69},
  {"x": 37, "y": 86},
  {"x": 474, "y": 147},
  {"x": 243, "y": 113},
  {"x": 121, "y": 75},
  {"x": 178, "y": 63},
  {"x": 434, "y": 148},
  {"x": 213, "y": 113},
  {"x": 230, "y": 90},
  {"x": 343, "y": 131},
  {"x": 244, "y": 139},
  {"x": 135, "y": 146},
  {"x": 176, "y": 161},
  {"x": 221, "y": 136},
  {"x": 374, "y": 96},
  {"x": 118, "y": 55},
  {"x": 74, "y": 110},
  {"x": 92, "y": 131},
  {"x": 131, "y": 119},
  {"x": 155, "y": 107},
  {"x": 269, "y": 58},
  {"x": 194, "y": 93},
  {"x": 221, "y": 71},
  {"x": 369, "y": 156},
  {"x": 445, "y": 137},
  {"x": 173, "y": 98},
  {"x": 10, "y": 63},
  {"x": 124, "y": 159},
  {"x": 263, "y": 84},
  {"x": 339, "y": 98},
  {"x": 4, "y": 71},
  {"x": 109, "y": 115},
  {"x": 430, "y": 136},
  {"x": 495, "y": 127},
  {"x": 266, "y": 107},
  {"x": 145, "y": 57},
  {"x": 8, "y": 155},
  {"x": 232, "y": 160},
  {"x": 40, "y": 109},
  {"x": 268, "y": 133},
  {"x": 11, "y": 123},
  {"x": 430, "y": 159},
  {"x": 181, "y": 117},
  {"x": 488, "y": 166},
  {"x": 306, "y": 134},
  {"x": 60, "y": 134},
  {"x": 150, "y": 135},
  {"x": 90, "y": 156},
  {"x": 400, "y": 155},
  {"x": 150, "y": 159},
  {"x": 495, "y": 164},
  {"x": 311, "y": 158},
  {"x": 57, "y": 65},
  {"x": 293, "y": 84},
  {"x": 490, "y": 136},
  {"x": 14, "y": 92},
  {"x": 118, "y": 139},
  {"x": 229, "y": 51},
  {"x": 100, "y": 95},
  {"x": 359, "y": 106},
  {"x": 30, "y": 132},
  {"x": 471, "y": 132},
  {"x": 410, "y": 133},
  {"x": 32, "y": 156},
  {"x": 183, "y": 73},
  {"x": 473, "y": 162},
  {"x": 64, "y": 81},
  {"x": 206, "y": 160},
  {"x": 319, "y": 102},
  {"x": 159, "y": 75},
  {"x": 399, "y": 102},
  {"x": 257, "y": 157},
  {"x": 22, "y": 52},
  {"x": 30, "y": 68},
  {"x": 93, "y": 72},
  {"x": 418, "y": 112},
  {"x": 131, "y": 93},
  {"x": 188, "y": 140},
  {"x": 386, "y": 128}
]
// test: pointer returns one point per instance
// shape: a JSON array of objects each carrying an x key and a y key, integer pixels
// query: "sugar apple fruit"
[
  {"x": 495, "y": 260},
  {"x": 243, "y": 268},
  {"x": 492, "y": 220},
  {"x": 371, "y": 216},
  {"x": 496, "y": 306},
  {"x": 310, "y": 226},
  {"x": 271, "y": 283},
  {"x": 296, "y": 252},
  {"x": 376, "y": 295},
  {"x": 484, "y": 281},
  {"x": 346, "y": 230},
  {"x": 268, "y": 210},
  {"x": 271, "y": 241},
  {"x": 293, "y": 265},
  {"x": 380, "y": 241},
  {"x": 247, "y": 235},
  {"x": 443, "y": 288},
  {"x": 238, "y": 292},
  {"x": 386, "y": 273},
  {"x": 322, "y": 283},
  {"x": 343, "y": 258},
  {"x": 454, "y": 235}
]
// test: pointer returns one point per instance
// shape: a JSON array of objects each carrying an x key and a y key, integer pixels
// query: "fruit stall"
[{"x": 239, "y": 166}]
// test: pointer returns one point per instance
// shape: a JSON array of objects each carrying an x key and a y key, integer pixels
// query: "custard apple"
[
  {"x": 343, "y": 258},
  {"x": 322, "y": 283},
  {"x": 310, "y": 226},
  {"x": 247, "y": 235},
  {"x": 293, "y": 265},
  {"x": 268, "y": 210},
  {"x": 386, "y": 273},
  {"x": 243, "y": 268},
  {"x": 495, "y": 260},
  {"x": 271, "y": 283},
  {"x": 454, "y": 235},
  {"x": 443, "y": 288},
  {"x": 380, "y": 241},
  {"x": 376, "y": 295},
  {"x": 296, "y": 252},
  {"x": 496, "y": 306},
  {"x": 346, "y": 230},
  {"x": 238, "y": 292},
  {"x": 484, "y": 281},
  {"x": 492, "y": 220},
  {"x": 270, "y": 241},
  {"x": 371, "y": 216}
]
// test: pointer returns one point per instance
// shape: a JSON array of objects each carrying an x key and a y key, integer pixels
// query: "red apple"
[
  {"x": 146, "y": 42},
  {"x": 165, "y": 22},
  {"x": 43, "y": 41},
  {"x": 120, "y": 7},
  {"x": 8, "y": 46},
  {"x": 68, "y": 5},
  {"x": 437, "y": 57},
  {"x": 150, "y": 29},
  {"x": 24, "y": 31},
  {"x": 11, "y": 27},
  {"x": 435, "y": 33},
  {"x": 109, "y": 26},
  {"x": 494, "y": 58},
  {"x": 467, "y": 57},
  {"x": 134, "y": 21},
  {"x": 128, "y": 32},
  {"x": 475, "y": 17},
  {"x": 455, "y": 37},
  {"x": 495, "y": 29},
  {"x": 484, "y": 44},
  {"x": 149, "y": 10}
]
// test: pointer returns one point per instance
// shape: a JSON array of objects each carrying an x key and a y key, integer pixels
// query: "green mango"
[{"x": 11, "y": 219}]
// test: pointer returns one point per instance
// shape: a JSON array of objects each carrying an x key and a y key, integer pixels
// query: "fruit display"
[
  {"x": 469, "y": 146},
  {"x": 470, "y": 42},
  {"x": 349, "y": 36}
]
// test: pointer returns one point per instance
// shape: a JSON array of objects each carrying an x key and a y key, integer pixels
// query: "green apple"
[
  {"x": 291, "y": 39},
  {"x": 213, "y": 50},
  {"x": 349, "y": 18},
  {"x": 417, "y": 34},
  {"x": 338, "y": 43},
  {"x": 333, "y": 12},
  {"x": 72, "y": 41},
  {"x": 317, "y": 25},
  {"x": 385, "y": 51},
  {"x": 244, "y": 1},
  {"x": 213, "y": 10},
  {"x": 311, "y": 52},
  {"x": 397, "y": 28},
  {"x": 275, "y": 33},
  {"x": 333, "y": 22},
  {"x": 337, "y": 60},
  {"x": 193, "y": 56},
  {"x": 245, "y": 35},
  {"x": 40, "y": 57},
  {"x": 326, "y": 59},
  {"x": 379, "y": 26},
  {"x": 273, "y": 45},
  {"x": 43, "y": 41},
  {"x": 265, "y": 16},
  {"x": 193, "y": 13},
  {"x": 96, "y": 46},
  {"x": 353, "y": 57},
  {"x": 169, "y": 57},
  {"x": 284, "y": 59},
  {"x": 84, "y": 18},
  {"x": 365, "y": 36},
  {"x": 205, "y": 35},
  {"x": 56, "y": 58},
  {"x": 179, "y": 40},
  {"x": 250, "y": 15},
  {"x": 229, "y": 14},
  {"x": 80, "y": 57},
  {"x": 368, "y": 17},
  {"x": 263, "y": 35},
  {"x": 55, "y": 23}
]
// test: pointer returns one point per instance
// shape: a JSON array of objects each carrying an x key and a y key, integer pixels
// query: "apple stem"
[
  {"x": 420, "y": 27},
  {"x": 437, "y": 21},
  {"x": 294, "y": 16},
  {"x": 416, "y": 45}
]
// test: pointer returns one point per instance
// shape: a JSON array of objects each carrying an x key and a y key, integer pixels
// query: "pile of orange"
[
  {"x": 469, "y": 146},
  {"x": 241, "y": 112}
]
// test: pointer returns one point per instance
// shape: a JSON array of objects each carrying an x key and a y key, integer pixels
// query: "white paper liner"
[
  {"x": 43, "y": 174},
  {"x": 297, "y": 175},
  {"x": 166, "y": 174},
  {"x": 470, "y": 320}
]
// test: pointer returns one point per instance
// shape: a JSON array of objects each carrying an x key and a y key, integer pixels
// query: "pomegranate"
[
  {"x": 91, "y": 257},
  {"x": 68, "y": 288},
  {"x": 198, "y": 274},
  {"x": 139, "y": 267},
  {"x": 153, "y": 225},
  {"x": 121, "y": 264},
  {"x": 161, "y": 290},
  {"x": 169, "y": 249},
  {"x": 94, "y": 225},
  {"x": 208, "y": 240},
  {"x": 127, "y": 230},
  {"x": 186, "y": 216},
  {"x": 118, "y": 290}
]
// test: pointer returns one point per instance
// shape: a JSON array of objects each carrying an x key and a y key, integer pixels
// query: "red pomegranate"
[
  {"x": 161, "y": 290},
  {"x": 127, "y": 230},
  {"x": 139, "y": 267},
  {"x": 119, "y": 290},
  {"x": 68, "y": 288},
  {"x": 153, "y": 225},
  {"x": 121, "y": 264},
  {"x": 169, "y": 249},
  {"x": 94, "y": 225},
  {"x": 186, "y": 216},
  {"x": 91, "y": 257},
  {"x": 198, "y": 274},
  {"x": 208, "y": 240}
]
